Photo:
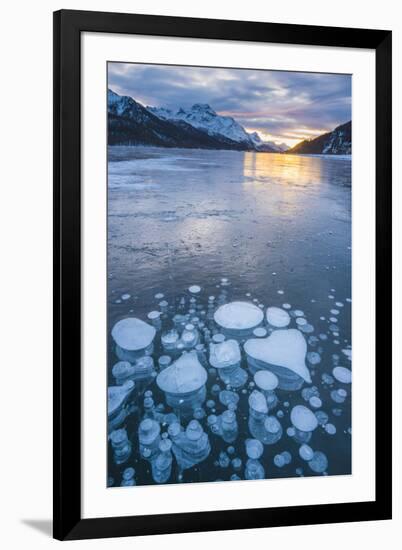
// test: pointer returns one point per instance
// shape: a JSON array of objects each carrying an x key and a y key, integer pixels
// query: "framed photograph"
[{"x": 222, "y": 209}]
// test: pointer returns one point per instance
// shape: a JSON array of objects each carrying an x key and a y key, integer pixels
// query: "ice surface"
[
  {"x": 184, "y": 376},
  {"x": 277, "y": 317},
  {"x": 303, "y": 419},
  {"x": 283, "y": 348},
  {"x": 132, "y": 334},
  {"x": 238, "y": 316}
]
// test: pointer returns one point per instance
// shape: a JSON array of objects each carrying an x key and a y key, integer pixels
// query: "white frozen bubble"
[
  {"x": 153, "y": 315},
  {"x": 254, "y": 448},
  {"x": 185, "y": 375},
  {"x": 159, "y": 296},
  {"x": 277, "y": 317},
  {"x": 342, "y": 374},
  {"x": 194, "y": 289},
  {"x": 348, "y": 353},
  {"x": 315, "y": 402},
  {"x": 116, "y": 396},
  {"x": 334, "y": 311},
  {"x": 266, "y": 380},
  {"x": 306, "y": 452},
  {"x": 225, "y": 354},
  {"x": 319, "y": 462},
  {"x": 218, "y": 338},
  {"x": 238, "y": 316},
  {"x": 303, "y": 419},
  {"x": 330, "y": 429},
  {"x": 286, "y": 306},
  {"x": 283, "y": 348},
  {"x": 279, "y": 461},
  {"x": 301, "y": 321},
  {"x": 281, "y": 292},
  {"x": 339, "y": 304},
  {"x": 257, "y": 402},
  {"x": 298, "y": 313},
  {"x": 260, "y": 332},
  {"x": 313, "y": 358},
  {"x": 132, "y": 334},
  {"x": 125, "y": 297}
]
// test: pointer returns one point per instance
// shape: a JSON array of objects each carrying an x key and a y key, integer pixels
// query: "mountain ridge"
[{"x": 336, "y": 142}]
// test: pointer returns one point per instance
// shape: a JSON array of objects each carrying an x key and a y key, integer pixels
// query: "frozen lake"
[{"x": 277, "y": 226}]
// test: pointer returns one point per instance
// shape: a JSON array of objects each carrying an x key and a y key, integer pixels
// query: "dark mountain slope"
[{"x": 337, "y": 142}]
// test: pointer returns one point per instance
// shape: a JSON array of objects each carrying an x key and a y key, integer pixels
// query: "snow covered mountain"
[
  {"x": 200, "y": 127},
  {"x": 337, "y": 142},
  {"x": 203, "y": 117},
  {"x": 130, "y": 123}
]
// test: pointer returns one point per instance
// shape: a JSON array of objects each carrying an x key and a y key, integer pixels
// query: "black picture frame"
[{"x": 68, "y": 26}]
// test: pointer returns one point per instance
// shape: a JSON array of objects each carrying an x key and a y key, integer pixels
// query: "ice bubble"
[
  {"x": 154, "y": 315},
  {"x": 117, "y": 395},
  {"x": 330, "y": 429},
  {"x": 238, "y": 316},
  {"x": 322, "y": 417},
  {"x": 348, "y": 353},
  {"x": 281, "y": 292},
  {"x": 286, "y": 306},
  {"x": 303, "y": 419},
  {"x": 342, "y": 374},
  {"x": 254, "y": 448},
  {"x": 327, "y": 378},
  {"x": 313, "y": 358},
  {"x": 339, "y": 304},
  {"x": 236, "y": 463},
  {"x": 279, "y": 461},
  {"x": 194, "y": 289},
  {"x": 315, "y": 402},
  {"x": 301, "y": 321},
  {"x": 132, "y": 335},
  {"x": 185, "y": 375},
  {"x": 298, "y": 313},
  {"x": 334, "y": 311},
  {"x": 338, "y": 396},
  {"x": 306, "y": 452},
  {"x": 254, "y": 470},
  {"x": 319, "y": 462},
  {"x": 258, "y": 402},
  {"x": 260, "y": 332},
  {"x": 223, "y": 460},
  {"x": 266, "y": 380},
  {"x": 283, "y": 352},
  {"x": 159, "y": 296},
  {"x": 287, "y": 456},
  {"x": 164, "y": 361},
  {"x": 307, "y": 328},
  {"x": 272, "y": 425},
  {"x": 291, "y": 432},
  {"x": 125, "y": 297},
  {"x": 218, "y": 338},
  {"x": 228, "y": 397},
  {"x": 277, "y": 317},
  {"x": 225, "y": 354},
  {"x": 122, "y": 371}
]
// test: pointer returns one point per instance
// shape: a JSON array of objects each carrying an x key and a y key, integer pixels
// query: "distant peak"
[{"x": 203, "y": 107}]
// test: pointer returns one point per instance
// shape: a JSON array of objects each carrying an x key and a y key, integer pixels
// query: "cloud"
[{"x": 278, "y": 104}]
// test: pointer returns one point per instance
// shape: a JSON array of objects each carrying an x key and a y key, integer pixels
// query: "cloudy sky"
[{"x": 281, "y": 106}]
